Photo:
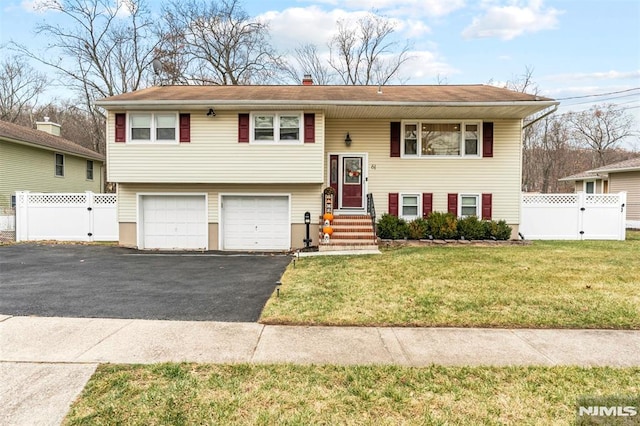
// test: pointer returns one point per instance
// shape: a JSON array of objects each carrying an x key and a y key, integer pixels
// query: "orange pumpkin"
[
  {"x": 328, "y": 216},
  {"x": 327, "y": 230}
]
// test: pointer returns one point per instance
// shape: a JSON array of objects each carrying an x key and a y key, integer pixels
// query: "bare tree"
[
  {"x": 20, "y": 86},
  {"x": 601, "y": 128},
  {"x": 101, "y": 48},
  {"x": 76, "y": 123},
  {"x": 523, "y": 83},
  {"x": 221, "y": 43},
  {"x": 308, "y": 61},
  {"x": 364, "y": 53}
]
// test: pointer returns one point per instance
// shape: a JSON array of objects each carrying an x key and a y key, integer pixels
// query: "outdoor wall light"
[
  {"x": 347, "y": 140},
  {"x": 211, "y": 113}
]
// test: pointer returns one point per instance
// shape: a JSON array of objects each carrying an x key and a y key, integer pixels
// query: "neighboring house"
[
  {"x": 237, "y": 167},
  {"x": 614, "y": 178},
  {"x": 589, "y": 182},
  {"x": 42, "y": 161}
]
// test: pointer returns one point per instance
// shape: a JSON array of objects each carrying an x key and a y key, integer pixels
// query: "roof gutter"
[{"x": 555, "y": 108}]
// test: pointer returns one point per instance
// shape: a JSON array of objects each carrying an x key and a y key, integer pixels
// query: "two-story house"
[{"x": 237, "y": 167}]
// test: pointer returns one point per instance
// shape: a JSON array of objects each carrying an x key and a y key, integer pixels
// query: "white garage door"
[
  {"x": 174, "y": 222},
  {"x": 255, "y": 223}
]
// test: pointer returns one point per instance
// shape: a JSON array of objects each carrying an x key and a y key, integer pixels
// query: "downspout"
[{"x": 555, "y": 108}]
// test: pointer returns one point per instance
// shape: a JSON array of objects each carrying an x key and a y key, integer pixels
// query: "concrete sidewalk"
[{"x": 45, "y": 362}]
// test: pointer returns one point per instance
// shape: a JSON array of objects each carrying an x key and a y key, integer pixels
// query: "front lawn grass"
[
  {"x": 199, "y": 394},
  {"x": 547, "y": 284}
]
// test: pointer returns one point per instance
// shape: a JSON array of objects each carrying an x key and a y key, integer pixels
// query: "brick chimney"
[
  {"x": 48, "y": 127},
  {"x": 307, "y": 80}
]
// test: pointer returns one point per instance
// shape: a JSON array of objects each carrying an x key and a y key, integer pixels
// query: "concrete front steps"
[{"x": 350, "y": 232}]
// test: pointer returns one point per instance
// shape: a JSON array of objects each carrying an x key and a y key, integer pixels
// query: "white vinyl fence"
[
  {"x": 578, "y": 216},
  {"x": 66, "y": 217}
]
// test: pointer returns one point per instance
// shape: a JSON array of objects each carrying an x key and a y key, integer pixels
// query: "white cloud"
[
  {"x": 426, "y": 67},
  {"x": 34, "y": 6},
  {"x": 412, "y": 28},
  {"x": 513, "y": 20},
  {"x": 295, "y": 26}
]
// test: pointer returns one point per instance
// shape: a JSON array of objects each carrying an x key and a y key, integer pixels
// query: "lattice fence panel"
[
  {"x": 550, "y": 199},
  {"x": 602, "y": 200},
  {"x": 105, "y": 199},
  {"x": 57, "y": 199}
]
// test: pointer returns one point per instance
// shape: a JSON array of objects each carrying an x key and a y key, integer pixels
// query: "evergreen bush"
[
  {"x": 392, "y": 227},
  {"x": 442, "y": 226},
  {"x": 417, "y": 229}
]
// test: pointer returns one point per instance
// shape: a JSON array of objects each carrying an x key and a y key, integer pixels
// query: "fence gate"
[
  {"x": 66, "y": 217},
  {"x": 578, "y": 216}
]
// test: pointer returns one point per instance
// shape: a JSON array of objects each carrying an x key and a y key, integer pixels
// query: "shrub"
[
  {"x": 498, "y": 230},
  {"x": 504, "y": 231},
  {"x": 392, "y": 227},
  {"x": 471, "y": 228},
  {"x": 442, "y": 225},
  {"x": 417, "y": 229}
]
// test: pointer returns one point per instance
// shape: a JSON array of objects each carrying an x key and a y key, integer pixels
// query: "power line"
[
  {"x": 602, "y": 100},
  {"x": 601, "y": 94}
]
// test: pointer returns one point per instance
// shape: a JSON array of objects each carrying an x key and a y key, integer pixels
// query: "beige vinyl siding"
[
  {"x": 215, "y": 156},
  {"x": 26, "y": 168},
  {"x": 629, "y": 182},
  {"x": 304, "y": 197},
  {"x": 499, "y": 175}
]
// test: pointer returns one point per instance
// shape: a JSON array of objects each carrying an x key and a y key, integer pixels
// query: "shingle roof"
[
  {"x": 392, "y": 94},
  {"x": 631, "y": 164},
  {"x": 15, "y": 133},
  {"x": 580, "y": 176},
  {"x": 622, "y": 166}
]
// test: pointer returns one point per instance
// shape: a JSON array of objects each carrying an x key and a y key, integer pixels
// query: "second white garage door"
[{"x": 255, "y": 222}]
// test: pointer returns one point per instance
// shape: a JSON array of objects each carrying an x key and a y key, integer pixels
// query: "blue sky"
[{"x": 575, "y": 47}]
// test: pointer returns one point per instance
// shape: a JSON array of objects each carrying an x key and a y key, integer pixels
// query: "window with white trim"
[
  {"x": 276, "y": 127},
  {"x": 469, "y": 205},
  {"x": 441, "y": 139},
  {"x": 153, "y": 127},
  {"x": 409, "y": 206},
  {"x": 590, "y": 186},
  {"x": 59, "y": 169}
]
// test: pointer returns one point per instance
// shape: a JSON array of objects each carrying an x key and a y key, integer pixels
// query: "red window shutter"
[
  {"x": 393, "y": 204},
  {"x": 243, "y": 127},
  {"x": 121, "y": 127},
  {"x": 487, "y": 139},
  {"x": 452, "y": 204},
  {"x": 486, "y": 206},
  {"x": 396, "y": 134},
  {"x": 309, "y": 128},
  {"x": 185, "y": 128},
  {"x": 427, "y": 204}
]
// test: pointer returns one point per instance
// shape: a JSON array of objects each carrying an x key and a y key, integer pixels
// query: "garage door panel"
[
  {"x": 174, "y": 222},
  {"x": 255, "y": 223}
]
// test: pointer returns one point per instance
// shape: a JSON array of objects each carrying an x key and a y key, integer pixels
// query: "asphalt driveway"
[{"x": 113, "y": 282}]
